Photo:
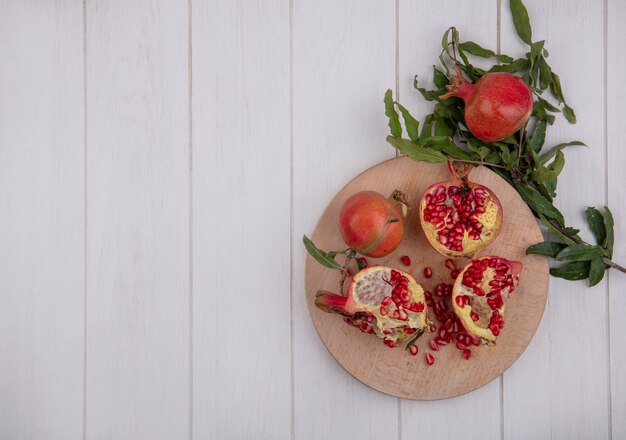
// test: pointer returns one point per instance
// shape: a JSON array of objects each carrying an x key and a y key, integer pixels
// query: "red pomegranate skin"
[
  {"x": 496, "y": 106},
  {"x": 363, "y": 221}
]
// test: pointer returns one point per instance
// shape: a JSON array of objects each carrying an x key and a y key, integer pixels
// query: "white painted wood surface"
[{"x": 159, "y": 163}]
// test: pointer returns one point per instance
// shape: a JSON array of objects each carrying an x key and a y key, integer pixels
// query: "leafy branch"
[
  {"x": 521, "y": 159},
  {"x": 327, "y": 259}
]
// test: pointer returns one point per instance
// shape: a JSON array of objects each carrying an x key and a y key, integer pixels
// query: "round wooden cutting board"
[{"x": 395, "y": 371}]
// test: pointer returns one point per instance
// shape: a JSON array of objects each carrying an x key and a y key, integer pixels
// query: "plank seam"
[
  {"x": 291, "y": 229},
  {"x": 190, "y": 202},
  {"x": 606, "y": 202},
  {"x": 84, "y": 415}
]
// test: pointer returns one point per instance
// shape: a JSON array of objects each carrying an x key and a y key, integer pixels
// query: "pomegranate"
[
  {"x": 480, "y": 292},
  {"x": 460, "y": 217},
  {"x": 383, "y": 301},
  {"x": 496, "y": 106},
  {"x": 372, "y": 224}
]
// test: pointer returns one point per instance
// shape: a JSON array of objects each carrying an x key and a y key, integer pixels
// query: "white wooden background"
[{"x": 159, "y": 163}]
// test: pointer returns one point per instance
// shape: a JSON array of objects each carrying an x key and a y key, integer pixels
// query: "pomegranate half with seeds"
[
  {"x": 372, "y": 224},
  {"x": 460, "y": 217},
  {"x": 480, "y": 293},
  {"x": 383, "y": 301}
]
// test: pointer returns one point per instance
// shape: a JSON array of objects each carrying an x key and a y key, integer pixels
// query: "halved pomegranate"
[
  {"x": 383, "y": 301},
  {"x": 459, "y": 217},
  {"x": 480, "y": 292}
]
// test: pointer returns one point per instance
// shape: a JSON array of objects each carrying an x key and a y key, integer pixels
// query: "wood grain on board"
[{"x": 395, "y": 371}]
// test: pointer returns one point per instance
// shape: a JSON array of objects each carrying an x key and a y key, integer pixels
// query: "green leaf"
[
  {"x": 596, "y": 271},
  {"x": 580, "y": 252},
  {"x": 547, "y": 248},
  {"x": 555, "y": 232},
  {"x": 548, "y": 106},
  {"x": 610, "y": 235},
  {"x": 539, "y": 136},
  {"x": 445, "y": 144},
  {"x": 578, "y": 270},
  {"x": 545, "y": 74},
  {"x": 411, "y": 124},
  {"x": 441, "y": 127},
  {"x": 555, "y": 87},
  {"x": 480, "y": 150},
  {"x": 320, "y": 256},
  {"x": 557, "y": 165},
  {"x": 596, "y": 224},
  {"x": 427, "y": 126},
  {"x": 475, "y": 49},
  {"x": 416, "y": 152},
  {"x": 439, "y": 78},
  {"x": 516, "y": 66},
  {"x": 539, "y": 110},
  {"x": 414, "y": 339},
  {"x": 569, "y": 114},
  {"x": 538, "y": 203},
  {"x": 360, "y": 263},
  {"x": 521, "y": 21},
  {"x": 392, "y": 114},
  {"x": 552, "y": 151}
]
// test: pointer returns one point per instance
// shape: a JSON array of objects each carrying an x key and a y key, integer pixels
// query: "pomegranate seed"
[
  {"x": 387, "y": 331},
  {"x": 455, "y": 273},
  {"x": 396, "y": 314},
  {"x": 433, "y": 345},
  {"x": 385, "y": 301},
  {"x": 474, "y": 316},
  {"x": 403, "y": 315},
  {"x": 432, "y": 328},
  {"x": 406, "y": 260},
  {"x": 441, "y": 341},
  {"x": 430, "y": 359},
  {"x": 467, "y": 353},
  {"x": 461, "y": 346},
  {"x": 413, "y": 349},
  {"x": 450, "y": 264},
  {"x": 428, "y": 272},
  {"x": 383, "y": 310},
  {"x": 389, "y": 343}
]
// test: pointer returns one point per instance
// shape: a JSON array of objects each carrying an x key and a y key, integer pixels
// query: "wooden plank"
[
  {"x": 137, "y": 220},
  {"x": 421, "y": 28},
  {"x": 616, "y": 95},
  {"x": 343, "y": 61},
  {"x": 41, "y": 220},
  {"x": 41, "y": 195},
  {"x": 241, "y": 223},
  {"x": 558, "y": 389}
]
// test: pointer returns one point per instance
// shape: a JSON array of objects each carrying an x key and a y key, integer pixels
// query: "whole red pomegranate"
[
  {"x": 372, "y": 224},
  {"x": 496, "y": 106},
  {"x": 460, "y": 217},
  {"x": 480, "y": 292},
  {"x": 382, "y": 301}
]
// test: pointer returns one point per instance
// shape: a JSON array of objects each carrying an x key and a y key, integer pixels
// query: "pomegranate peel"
[
  {"x": 372, "y": 224},
  {"x": 496, "y": 106},
  {"x": 480, "y": 292},
  {"x": 460, "y": 217},
  {"x": 389, "y": 301}
]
